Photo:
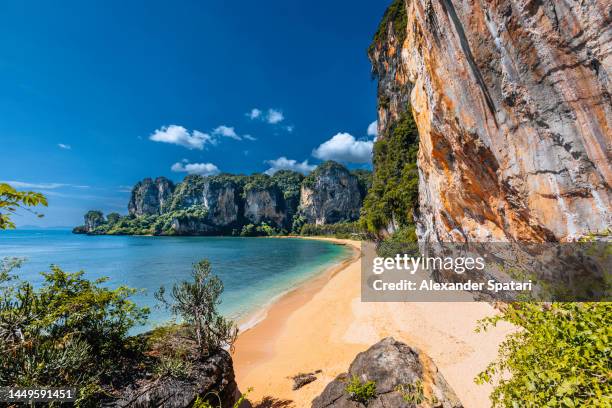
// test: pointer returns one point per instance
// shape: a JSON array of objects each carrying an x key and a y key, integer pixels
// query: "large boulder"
[
  {"x": 212, "y": 379},
  {"x": 151, "y": 197},
  {"x": 330, "y": 194},
  {"x": 404, "y": 378}
]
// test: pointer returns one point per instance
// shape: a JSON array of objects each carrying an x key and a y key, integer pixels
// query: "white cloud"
[
  {"x": 249, "y": 137},
  {"x": 373, "y": 129},
  {"x": 274, "y": 116},
  {"x": 64, "y": 146},
  {"x": 283, "y": 163},
  {"x": 22, "y": 184},
  {"x": 203, "y": 169},
  {"x": 345, "y": 148},
  {"x": 254, "y": 113},
  {"x": 38, "y": 186},
  {"x": 226, "y": 131},
  {"x": 290, "y": 128},
  {"x": 178, "y": 135}
]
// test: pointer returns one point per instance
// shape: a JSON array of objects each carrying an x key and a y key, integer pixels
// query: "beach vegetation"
[
  {"x": 342, "y": 230},
  {"x": 559, "y": 357},
  {"x": 68, "y": 330},
  {"x": 402, "y": 241},
  {"x": 259, "y": 230},
  {"x": 171, "y": 366},
  {"x": 412, "y": 393},
  {"x": 361, "y": 391},
  {"x": 11, "y": 201},
  {"x": 196, "y": 302},
  {"x": 201, "y": 402}
]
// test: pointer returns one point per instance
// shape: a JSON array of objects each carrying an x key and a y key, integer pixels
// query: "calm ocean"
[{"x": 253, "y": 270}]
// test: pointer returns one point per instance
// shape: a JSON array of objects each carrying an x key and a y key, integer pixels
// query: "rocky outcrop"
[
  {"x": 217, "y": 195},
  {"x": 237, "y": 204},
  {"x": 150, "y": 197},
  {"x": 213, "y": 376},
  {"x": 266, "y": 205},
  {"x": 513, "y": 104},
  {"x": 330, "y": 194},
  {"x": 403, "y": 377},
  {"x": 92, "y": 220}
]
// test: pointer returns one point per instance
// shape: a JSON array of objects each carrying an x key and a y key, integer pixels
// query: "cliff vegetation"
[{"x": 392, "y": 200}]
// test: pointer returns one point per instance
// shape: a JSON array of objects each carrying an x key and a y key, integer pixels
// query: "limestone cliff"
[
  {"x": 265, "y": 205},
  {"x": 217, "y": 195},
  {"x": 330, "y": 194},
  {"x": 150, "y": 197},
  {"x": 253, "y": 205},
  {"x": 513, "y": 107}
]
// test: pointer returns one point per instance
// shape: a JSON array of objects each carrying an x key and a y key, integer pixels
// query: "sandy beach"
[{"x": 322, "y": 325}]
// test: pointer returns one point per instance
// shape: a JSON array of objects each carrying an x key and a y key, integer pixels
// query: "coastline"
[
  {"x": 310, "y": 286},
  {"x": 323, "y": 325}
]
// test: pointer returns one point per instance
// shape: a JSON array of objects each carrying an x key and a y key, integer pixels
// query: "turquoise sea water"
[{"x": 254, "y": 270}]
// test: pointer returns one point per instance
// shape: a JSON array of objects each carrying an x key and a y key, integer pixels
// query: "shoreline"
[
  {"x": 251, "y": 320},
  {"x": 322, "y": 325}
]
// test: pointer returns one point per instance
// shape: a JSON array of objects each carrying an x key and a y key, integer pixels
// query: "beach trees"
[
  {"x": 11, "y": 200},
  {"x": 196, "y": 303}
]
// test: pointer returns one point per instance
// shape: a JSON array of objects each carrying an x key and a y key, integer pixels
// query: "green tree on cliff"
[{"x": 12, "y": 200}]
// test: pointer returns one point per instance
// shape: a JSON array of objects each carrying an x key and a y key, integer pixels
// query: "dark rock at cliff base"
[
  {"x": 404, "y": 378},
  {"x": 215, "y": 375},
  {"x": 330, "y": 194},
  {"x": 151, "y": 197}
]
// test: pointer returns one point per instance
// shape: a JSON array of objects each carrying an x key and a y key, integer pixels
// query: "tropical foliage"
[
  {"x": 343, "y": 230},
  {"x": 393, "y": 196},
  {"x": 70, "y": 330},
  {"x": 559, "y": 357},
  {"x": 12, "y": 200}
]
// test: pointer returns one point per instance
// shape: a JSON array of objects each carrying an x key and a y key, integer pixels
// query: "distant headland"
[{"x": 227, "y": 204}]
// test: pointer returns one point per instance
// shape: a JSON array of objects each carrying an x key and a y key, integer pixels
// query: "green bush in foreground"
[
  {"x": 359, "y": 391},
  {"x": 68, "y": 331},
  {"x": 196, "y": 303},
  {"x": 560, "y": 357}
]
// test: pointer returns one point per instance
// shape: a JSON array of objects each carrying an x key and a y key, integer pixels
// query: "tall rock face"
[
  {"x": 330, "y": 194},
  {"x": 513, "y": 104},
  {"x": 151, "y": 197},
  {"x": 265, "y": 205},
  {"x": 218, "y": 195},
  {"x": 92, "y": 220}
]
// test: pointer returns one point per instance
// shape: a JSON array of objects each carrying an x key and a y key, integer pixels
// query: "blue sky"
[{"x": 98, "y": 95}]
